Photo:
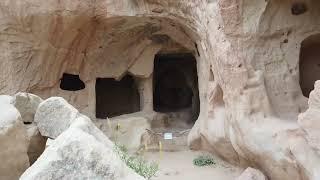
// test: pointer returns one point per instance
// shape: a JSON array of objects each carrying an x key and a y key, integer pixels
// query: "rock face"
[
  {"x": 13, "y": 140},
  {"x": 309, "y": 119},
  {"x": 120, "y": 129},
  {"x": 81, "y": 151},
  {"x": 251, "y": 174},
  {"x": 54, "y": 116},
  {"x": 256, "y": 64},
  {"x": 27, "y": 104}
]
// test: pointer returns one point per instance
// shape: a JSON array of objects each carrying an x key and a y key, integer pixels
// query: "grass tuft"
[
  {"x": 139, "y": 165},
  {"x": 204, "y": 161}
]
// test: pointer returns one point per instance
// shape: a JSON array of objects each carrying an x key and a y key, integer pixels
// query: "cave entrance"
[
  {"x": 114, "y": 98},
  {"x": 309, "y": 63},
  {"x": 176, "y": 86},
  {"x": 71, "y": 82}
]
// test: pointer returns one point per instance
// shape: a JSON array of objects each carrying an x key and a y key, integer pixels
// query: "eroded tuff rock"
[
  {"x": 27, "y": 104},
  {"x": 248, "y": 64},
  {"x": 126, "y": 130},
  {"x": 54, "y": 116},
  {"x": 251, "y": 174},
  {"x": 37, "y": 142},
  {"x": 81, "y": 151},
  {"x": 13, "y": 140},
  {"x": 309, "y": 120}
]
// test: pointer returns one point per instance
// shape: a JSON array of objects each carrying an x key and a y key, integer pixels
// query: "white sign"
[{"x": 167, "y": 136}]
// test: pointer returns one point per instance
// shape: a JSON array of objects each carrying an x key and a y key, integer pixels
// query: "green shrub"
[
  {"x": 122, "y": 148},
  {"x": 139, "y": 165},
  {"x": 204, "y": 161}
]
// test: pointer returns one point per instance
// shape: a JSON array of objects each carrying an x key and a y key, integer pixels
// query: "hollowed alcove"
[
  {"x": 309, "y": 63},
  {"x": 176, "y": 84},
  {"x": 114, "y": 98},
  {"x": 71, "y": 82}
]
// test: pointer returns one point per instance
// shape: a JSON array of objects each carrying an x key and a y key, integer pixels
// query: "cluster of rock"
[
  {"x": 51, "y": 140},
  {"x": 248, "y": 61},
  {"x": 76, "y": 148}
]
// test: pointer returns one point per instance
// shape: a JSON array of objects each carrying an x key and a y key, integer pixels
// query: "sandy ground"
[{"x": 178, "y": 166}]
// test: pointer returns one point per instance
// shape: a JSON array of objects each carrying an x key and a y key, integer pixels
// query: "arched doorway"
[
  {"x": 309, "y": 64},
  {"x": 176, "y": 84}
]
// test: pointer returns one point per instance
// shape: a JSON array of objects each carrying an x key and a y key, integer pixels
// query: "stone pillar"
[
  {"x": 146, "y": 94},
  {"x": 91, "y": 85}
]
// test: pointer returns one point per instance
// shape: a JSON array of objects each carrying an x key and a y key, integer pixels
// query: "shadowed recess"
[
  {"x": 175, "y": 83},
  {"x": 70, "y": 82},
  {"x": 309, "y": 63},
  {"x": 114, "y": 98}
]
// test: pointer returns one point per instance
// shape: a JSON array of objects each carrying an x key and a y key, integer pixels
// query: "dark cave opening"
[
  {"x": 71, "y": 82},
  {"x": 114, "y": 98},
  {"x": 309, "y": 64},
  {"x": 298, "y": 8},
  {"x": 175, "y": 84}
]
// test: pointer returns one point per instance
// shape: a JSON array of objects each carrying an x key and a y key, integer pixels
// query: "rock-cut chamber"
[
  {"x": 309, "y": 63},
  {"x": 114, "y": 98},
  {"x": 175, "y": 84}
]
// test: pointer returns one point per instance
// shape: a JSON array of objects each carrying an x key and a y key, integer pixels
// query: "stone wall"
[
  {"x": 105, "y": 39},
  {"x": 247, "y": 61}
]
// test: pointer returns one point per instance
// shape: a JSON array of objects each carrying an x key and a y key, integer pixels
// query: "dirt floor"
[{"x": 179, "y": 166}]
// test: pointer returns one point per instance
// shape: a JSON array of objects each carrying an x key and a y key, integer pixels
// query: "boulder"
[
  {"x": 27, "y": 104},
  {"x": 54, "y": 116},
  {"x": 5, "y": 99},
  {"x": 85, "y": 124},
  {"x": 81, "y": 152},
  {"x": 251, "y": 174},
  {"x": 13, "y": 140}
]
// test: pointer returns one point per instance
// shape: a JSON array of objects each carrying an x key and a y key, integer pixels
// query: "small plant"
[
  {"x": 139, "y": 165},
  {"x": 122, "y": 148},
  {"x": 203, "y": 161}
]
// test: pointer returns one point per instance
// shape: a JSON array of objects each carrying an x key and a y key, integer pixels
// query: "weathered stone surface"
[
  {"x": 143, "y": 66},
  {"x": 48, "y": 142},
  {"x": 309, "y": 120},
  {"x": 27, "y": 105},
  {"x": 37, "y": 143},
  {"x": 54, "y": 116},
  {"x": 5, "y": 100},
  {"x": 120, "y": 129},
  {"x": 80, "y": 152},
  {"x": 13, "y": 141},
  {"x": 243, "y": 47},
  {"x": 251, "y": 174}
]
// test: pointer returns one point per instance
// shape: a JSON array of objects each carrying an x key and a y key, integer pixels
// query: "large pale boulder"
[
  {"x": 27, "y": 105},
  {"x": 54, "y": 116},
  {"x": 251, "y": 174},
  {"x": 81, "y": 152},
  {"x": 13, "y": 141},
  {"x": 5, "y": 100}
]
